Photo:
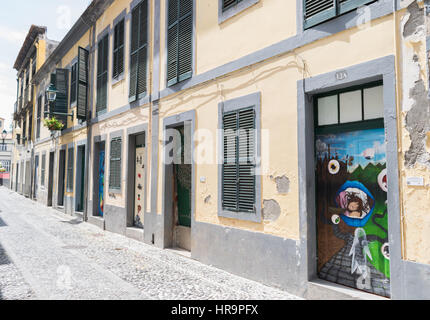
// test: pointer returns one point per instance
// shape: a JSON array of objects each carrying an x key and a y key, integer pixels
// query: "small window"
[
  {"x": 115, "y": 164},
  {"x": 352, "y": 105},
  {"x": 327, "y": 110},
  {"x": 373, "y": 103}
]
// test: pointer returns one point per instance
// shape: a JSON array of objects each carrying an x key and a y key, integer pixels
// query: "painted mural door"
[
  {"x": 351, "y": 201},
  {"x": 182, "y": 173},
  {"x": 101, "y": 182},
  {"x": 139, "y": 192}
]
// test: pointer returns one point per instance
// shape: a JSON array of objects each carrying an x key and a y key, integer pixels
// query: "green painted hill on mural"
[{"x": 377, "y": 226}]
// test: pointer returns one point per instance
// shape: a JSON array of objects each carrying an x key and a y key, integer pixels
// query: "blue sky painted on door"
[
  {"x": 366, "y": 146},
  {"x": 16, "y": 17}
]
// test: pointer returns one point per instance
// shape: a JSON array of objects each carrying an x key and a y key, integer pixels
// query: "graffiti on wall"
[{"x": 352, "y": 220}]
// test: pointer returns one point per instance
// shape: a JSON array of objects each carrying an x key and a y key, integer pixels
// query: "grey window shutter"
[
  {"x": 115, "y": 164},
  {"x": 179, "y": 41},
  {"x": 317, "y": 11},
  {"x": 238, "y": 176},
  {"x": 348, "y": 5},
  {"x": 118, "y": 50},
  {"x": 102, "y": 73},
  {"x": 82, "y": 83},
  {"x": 246, "y": 153},
  {"x": 139, "y": 51},
  {"x": 229, "y": 168},
  {"x": 62, "y": 100}
]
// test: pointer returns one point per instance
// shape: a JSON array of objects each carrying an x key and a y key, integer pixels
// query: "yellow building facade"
[{"x": 329, "y": 98}]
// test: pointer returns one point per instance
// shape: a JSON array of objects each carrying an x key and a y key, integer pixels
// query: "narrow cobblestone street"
[{"x": 45, "y": 254}]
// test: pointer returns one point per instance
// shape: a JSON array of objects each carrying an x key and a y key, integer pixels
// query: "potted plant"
[{"x": 53, "y": 124}]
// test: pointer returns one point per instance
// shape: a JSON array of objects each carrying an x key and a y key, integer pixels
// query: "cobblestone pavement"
[{"x": 45, "y": 254}]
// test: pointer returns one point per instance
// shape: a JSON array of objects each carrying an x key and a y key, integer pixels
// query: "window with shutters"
[
  {"x": 318, "y": 11},
  {"x": 139, "y": 51},
  {"x": 102, "y": 74},
  {"x": 73, "y": 83},
  {"x": 70, "y": 160},
  {"x": 82, "y": 84},
  {"x": 118, "y": 50},
  {"x": 43, "y": 170},
  {"x": 39, "y": 116},
  {"x": 115, "y": 164},
  {"x": 179, "y": 41},
  {"x": 238, "y": 185}
]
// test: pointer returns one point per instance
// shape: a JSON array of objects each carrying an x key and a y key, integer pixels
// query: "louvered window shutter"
[
  {"x": 115, "y": 164},
  {"x": 39, "y": 115},
  {"x": 227, "y": 4},
  {"x": 139, "y": 51},
  {"x": 70, "y": 160},
  {"x": 348, "y": 5},
  {"x": 238, "y": 185},
  {"x": 73, "y": 84},
  {"x": 118, "y": 50},
  {"x": 61, "y": 102},
  {"x": 179, "y": 41},
  {"x": 102, "y": 74},
  {"x": 317, "y": 11},
  {"x": 82, "y": 84}
]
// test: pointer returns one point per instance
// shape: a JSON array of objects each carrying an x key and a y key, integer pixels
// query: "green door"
[{"x": 183, "y": 186}]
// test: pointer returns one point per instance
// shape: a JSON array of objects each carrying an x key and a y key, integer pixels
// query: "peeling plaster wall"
[{"x": 415, "y": 130}]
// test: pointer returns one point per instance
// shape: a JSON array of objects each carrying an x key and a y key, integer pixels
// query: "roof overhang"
[{"x": 32, "y": 35}]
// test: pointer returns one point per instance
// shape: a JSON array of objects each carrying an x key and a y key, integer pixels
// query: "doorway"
[
  {"x": 99, "y": 179},
  {"x": 61, "y": 177},
  {"x": 50, "y": 178},
  {"x": 80, "y": 179},
  {"x": 178, "y": 185},
  {"x": 351, "y": 189},
  {"x": 139, "y": 181}
]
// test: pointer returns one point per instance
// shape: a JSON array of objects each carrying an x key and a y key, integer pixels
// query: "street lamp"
[{"x": 51, "y": 93}]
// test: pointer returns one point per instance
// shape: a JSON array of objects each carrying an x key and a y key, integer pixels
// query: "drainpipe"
[{"x": 88, "y": 121}]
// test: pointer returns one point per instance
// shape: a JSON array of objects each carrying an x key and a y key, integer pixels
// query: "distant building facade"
[{"x": 6, "y": 149}]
